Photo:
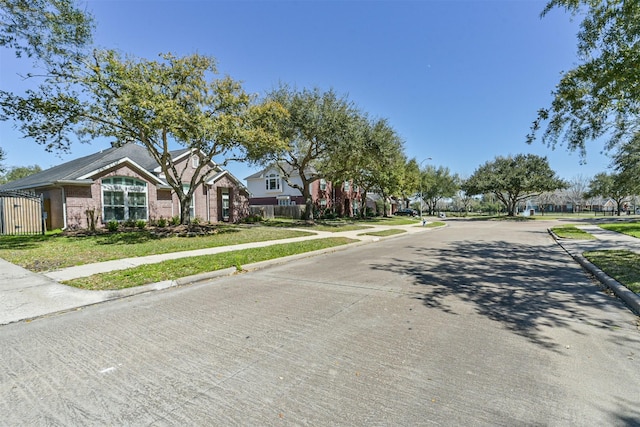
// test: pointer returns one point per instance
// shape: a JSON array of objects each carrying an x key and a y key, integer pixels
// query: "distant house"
[
  {"x": 124, "y": 183},
  {"x": 268, "y": 188}
]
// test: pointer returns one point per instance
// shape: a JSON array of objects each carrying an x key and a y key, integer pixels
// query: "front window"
[
  {"x": 225, "y": 204},
  {"x": 273, "y": 182},
  {"x": 124, "y": 198},
  {"x": 323, "y": 184},
  {"x": 346, "y": 186}
]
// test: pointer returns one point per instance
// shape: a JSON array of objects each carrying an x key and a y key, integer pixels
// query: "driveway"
[{"x": 481, "y": 323}]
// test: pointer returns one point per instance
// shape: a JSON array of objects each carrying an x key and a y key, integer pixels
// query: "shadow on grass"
[
  {"x": 129, "y": 238},
  {"x": 22, "y": 242},
  {"x": 629, "y": 228},
  {"x": 143, "y": 236},
  {"x": 526, "y": 289}
]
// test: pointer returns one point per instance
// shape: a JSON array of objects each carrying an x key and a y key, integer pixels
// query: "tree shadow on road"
[{"x": 525, "y": 288}]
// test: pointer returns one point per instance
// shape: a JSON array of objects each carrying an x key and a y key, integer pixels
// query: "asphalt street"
[{"x": 478, "y": 323}]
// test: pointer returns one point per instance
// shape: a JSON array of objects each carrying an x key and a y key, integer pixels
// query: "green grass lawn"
[
  {"x": 342, "y": 224},
  {"x": 630, "y": 228},
  {"x": 623, "y": 266},
  {"x": 571, "y": 232},
  {"x": 56, "y": 250},
  {"x": 183, "y": 267},
  {"x": 53, "y": 251},
  {"x": 384, "y": 233}
]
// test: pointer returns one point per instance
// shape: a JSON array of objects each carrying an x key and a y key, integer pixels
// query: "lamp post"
[{"x": 422, "y": 195}]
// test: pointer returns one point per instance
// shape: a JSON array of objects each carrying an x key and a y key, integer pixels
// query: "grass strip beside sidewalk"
[
  {"x": 628, "y": 228},
  {"x": 571, "y": 232},
  {"x": 622, "y": 265},
  {"x": 52, "y": 252},
  {"x": 183, "y": 267},
  {"x": 383, "y": 233}
]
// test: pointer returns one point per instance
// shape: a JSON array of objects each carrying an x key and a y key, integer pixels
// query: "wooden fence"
[
  {"x": 21, "y": 213},
  {"x": 271, "y": 211}
]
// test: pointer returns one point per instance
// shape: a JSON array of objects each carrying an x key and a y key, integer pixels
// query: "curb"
[
  {"x": 631, "y": 299},
  {"x": 112, "y": 295},
  {"x": 230, "y": 271}
]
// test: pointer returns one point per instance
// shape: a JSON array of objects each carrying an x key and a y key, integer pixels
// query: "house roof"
[
  {"x": 287, "y": 168},
  {"x": 79, "y": 171}
]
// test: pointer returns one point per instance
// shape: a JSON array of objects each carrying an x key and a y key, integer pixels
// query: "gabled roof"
[
  {"x": 287, "y": 168},
  {"x": 226, "y": 173},
  {"x": 80, "y": 171}
]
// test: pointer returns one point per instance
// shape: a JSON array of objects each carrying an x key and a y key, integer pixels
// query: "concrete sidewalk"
[
  {"x": 26, "y": 295},
  {"x": 605, "y": 240}
]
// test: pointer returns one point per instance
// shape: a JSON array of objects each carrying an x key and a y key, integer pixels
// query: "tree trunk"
[
  {"x": 308, "y": 203},
  {"x": 384, "y": 205},
  {"x": 184, "y": 211},
  {"x": 363, "y": 205}
]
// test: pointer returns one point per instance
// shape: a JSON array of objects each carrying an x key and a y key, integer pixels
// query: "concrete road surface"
[{"x": 480, "y": 323}]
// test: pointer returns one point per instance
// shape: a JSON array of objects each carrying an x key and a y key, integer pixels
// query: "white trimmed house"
[
  {"x": 124, "y": 183},
  {"x": 268, "y": 188}
]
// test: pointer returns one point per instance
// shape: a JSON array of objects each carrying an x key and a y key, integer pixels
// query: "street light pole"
[{"x": 421, "y": 194}]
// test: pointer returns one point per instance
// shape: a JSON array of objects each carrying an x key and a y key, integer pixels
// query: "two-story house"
[{"x": 269, "y": 188}]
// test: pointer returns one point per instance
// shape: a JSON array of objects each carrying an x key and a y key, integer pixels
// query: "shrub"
[
  {"x": 129, "y": 223},
  {"x": 175, "y": 220},
  {"x": 113, "y": 225},
  {"x": 253, "y": 219},
  {"x": 329, "y": 215},
  {"x": 141, "y": 224},
  {"x": 162, "y": 222}
]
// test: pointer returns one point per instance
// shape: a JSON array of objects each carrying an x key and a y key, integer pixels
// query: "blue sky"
[{"x": 460, "y": 81}]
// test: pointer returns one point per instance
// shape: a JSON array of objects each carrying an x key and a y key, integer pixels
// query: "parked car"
[{"x": 406, "y": 212}]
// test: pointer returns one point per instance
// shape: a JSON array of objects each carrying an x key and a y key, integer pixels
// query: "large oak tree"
[
  {"x": 173, "y": 101},
  {"x": 513, "y": 179},
  {"x": 318, "y": 126}
]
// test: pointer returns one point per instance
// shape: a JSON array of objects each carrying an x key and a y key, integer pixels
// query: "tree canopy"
[
  {"x": 18, "y": 172},
  {"x": 513, "y": 179},
  {"x": 600, "y": 97},
  {"x": 49, "y": 31},
  {"x": 316, "y": 128},
  {"x": 627, "y": 164},
  {"x": 410, "y": 180},
  {"x": 436, "y": 184},
  {"x": 609, "y": 185},
  {"x": 155, "y": 103},
  {"x": 54, "y": 33}
]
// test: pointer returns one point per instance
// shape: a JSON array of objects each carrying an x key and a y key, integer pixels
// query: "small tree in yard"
[{"x": 513, "y": 179}]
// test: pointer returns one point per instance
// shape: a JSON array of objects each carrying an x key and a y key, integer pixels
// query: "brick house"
[
  {"x": 268, "y": 188},
  {"x": 126, "y": 182}
]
